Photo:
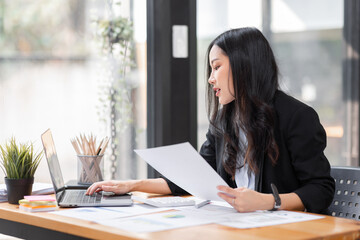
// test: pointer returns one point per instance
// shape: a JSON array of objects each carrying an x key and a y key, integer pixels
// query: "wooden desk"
[{"x": 50, "y": 226}]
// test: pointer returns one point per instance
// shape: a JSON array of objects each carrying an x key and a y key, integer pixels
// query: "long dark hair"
[{"x": 255, "y": 79}]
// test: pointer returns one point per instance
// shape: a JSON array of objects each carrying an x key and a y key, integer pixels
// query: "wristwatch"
[{"x": 275, "y": 192}]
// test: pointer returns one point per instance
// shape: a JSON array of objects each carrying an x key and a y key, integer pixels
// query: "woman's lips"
[{"x": 217, "y": 91}]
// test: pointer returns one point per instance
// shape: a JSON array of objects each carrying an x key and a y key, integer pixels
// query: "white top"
[{"x": 244, "y": 177}]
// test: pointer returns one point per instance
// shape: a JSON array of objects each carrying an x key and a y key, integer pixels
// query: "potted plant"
[{"x": 19, "y": 163}]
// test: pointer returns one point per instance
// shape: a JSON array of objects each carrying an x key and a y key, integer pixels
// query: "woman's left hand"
[{"x": 246, "y": 200}]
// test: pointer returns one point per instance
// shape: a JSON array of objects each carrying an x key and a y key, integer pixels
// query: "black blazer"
[{"x": 301, "y": 167}]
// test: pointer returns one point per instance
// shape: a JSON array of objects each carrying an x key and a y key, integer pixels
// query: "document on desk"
[
  {"x": 184, "y": 166},
  {"x": 265, "y": 218},
  {"x": 158, "y": 221},
  {"x": 96, "y": 214},
  {"x": 190, "y": 216},
  {"x": 228, "y": 216}
]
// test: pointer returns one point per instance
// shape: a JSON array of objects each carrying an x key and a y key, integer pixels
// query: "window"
[
  {"x": 55, "y": 74},
  {"x": 307, "y": 41}
]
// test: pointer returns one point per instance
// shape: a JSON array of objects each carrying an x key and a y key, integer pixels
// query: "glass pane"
[
  {"x": 307, "y": 41},
  {"x": 306, "y": 37},
  {"x": 55, "y": 73},
  {"x": 213, "y": 18}
]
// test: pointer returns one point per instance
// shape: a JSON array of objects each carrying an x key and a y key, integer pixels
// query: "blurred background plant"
[
  {"x": 115, "y": 35},
  {"x": 37, "y": 30}
]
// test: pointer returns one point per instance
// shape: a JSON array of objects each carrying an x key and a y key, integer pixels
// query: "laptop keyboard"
[{"x": 79, "y": 196}]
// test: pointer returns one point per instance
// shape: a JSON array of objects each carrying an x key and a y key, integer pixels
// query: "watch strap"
[{"x": 277, "y": 198}]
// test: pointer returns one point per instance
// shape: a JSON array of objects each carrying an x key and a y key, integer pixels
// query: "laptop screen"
[{"x": 53, "y": 162}]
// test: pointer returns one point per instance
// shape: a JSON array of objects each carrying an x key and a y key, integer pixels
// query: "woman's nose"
[{"x": 211, "y": 79}]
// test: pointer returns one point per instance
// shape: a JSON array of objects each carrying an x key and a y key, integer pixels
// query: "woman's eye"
[{"x": 216, "y": 68}]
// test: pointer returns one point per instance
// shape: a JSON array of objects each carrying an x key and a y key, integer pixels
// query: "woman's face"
[{"x": 221, "y": 76}]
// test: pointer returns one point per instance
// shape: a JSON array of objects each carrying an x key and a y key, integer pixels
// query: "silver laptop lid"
[{"x": 53, "y": 162}]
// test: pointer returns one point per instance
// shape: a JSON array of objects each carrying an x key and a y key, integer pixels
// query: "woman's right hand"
[
  {"x": 117, "y": 187},
  {"x": 155, "y": 185}
]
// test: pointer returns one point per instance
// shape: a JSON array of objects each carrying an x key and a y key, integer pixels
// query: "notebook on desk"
[{"x": 67, "y": 196}]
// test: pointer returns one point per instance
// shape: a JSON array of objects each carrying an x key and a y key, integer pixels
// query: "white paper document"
[
  {"x": 184, "y": 166},
  {"x": 213, "y": 210},
  {"x": 230, "y": 217},
  {"x": 3, "y": 195},
  {"x": 137, "y": 218},
  {"x": 265, "y": 218},
  {"x": 96, "y": 214},
  {"x": 158, "y": 221},
  {"x": 188, "y": 217}
]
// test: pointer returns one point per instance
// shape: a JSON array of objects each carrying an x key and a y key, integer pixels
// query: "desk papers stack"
[{"x": 3, "y": 195}]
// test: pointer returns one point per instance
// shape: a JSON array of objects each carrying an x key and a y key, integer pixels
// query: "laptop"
[{"x": 67, "y": 196}]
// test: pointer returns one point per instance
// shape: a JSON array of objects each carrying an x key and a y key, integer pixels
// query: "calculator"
[{"x": 166, "y": 201}]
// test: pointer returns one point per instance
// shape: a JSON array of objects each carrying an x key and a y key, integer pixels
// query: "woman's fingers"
[
  {"x": 95, "y": 187},
  {"x": 227, "y": 198},
  {"x": 230, "y": 192},
  {"x": 232, "y": 195},
  {"x": 108, "y": 186}
]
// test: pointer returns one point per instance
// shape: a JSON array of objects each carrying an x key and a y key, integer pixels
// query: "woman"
[{"x": 258, "y": 135}]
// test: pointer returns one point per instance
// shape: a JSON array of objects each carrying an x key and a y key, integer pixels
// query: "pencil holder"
[{"x": 90, "y": 169}]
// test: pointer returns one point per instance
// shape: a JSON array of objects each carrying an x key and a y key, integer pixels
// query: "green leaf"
[{"x": 19, "y": 161}]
